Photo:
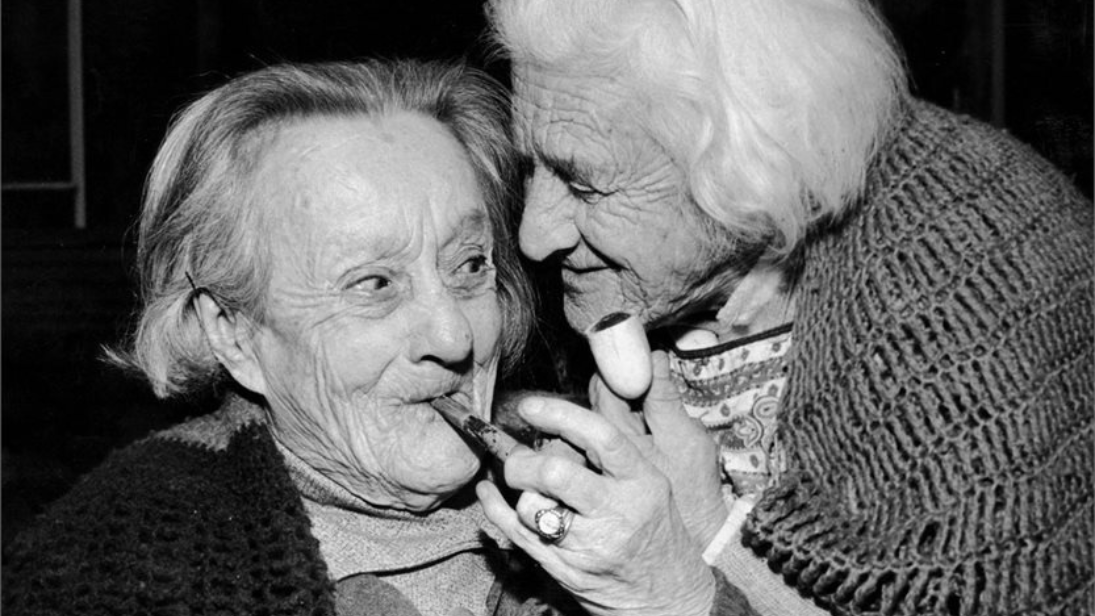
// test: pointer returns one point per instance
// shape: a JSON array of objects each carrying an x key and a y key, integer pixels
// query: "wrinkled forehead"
[
  {"x": 550, "y": 105},
  {"x": 358, "y": 184}
]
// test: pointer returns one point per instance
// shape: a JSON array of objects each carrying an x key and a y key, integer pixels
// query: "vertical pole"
[{"x": 76, "y": 114}]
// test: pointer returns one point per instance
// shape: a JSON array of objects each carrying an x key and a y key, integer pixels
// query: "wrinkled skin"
[
  {"x": 382, "y": 297},
  {"x": 607, "y": 201},
  {"x": 613, "y": 208},
  {"x": 611, "y": 204},
  {"x": 635, "y": 544}
]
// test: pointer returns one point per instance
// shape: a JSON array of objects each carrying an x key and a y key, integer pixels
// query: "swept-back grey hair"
[
  {"x": 773, "y": 108},
  {"x": 199, "y": 228}
]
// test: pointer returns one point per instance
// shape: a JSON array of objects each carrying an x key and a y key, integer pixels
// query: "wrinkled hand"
[
  {"x": 676, "y": 444},
  {"x": 627, "y": 550}
]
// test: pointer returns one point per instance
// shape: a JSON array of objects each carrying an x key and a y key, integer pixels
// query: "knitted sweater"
[
  {"x": 171, "y": 526},
  {"x": 938, "y": 420},
  {"x": 205, "y": 518}
]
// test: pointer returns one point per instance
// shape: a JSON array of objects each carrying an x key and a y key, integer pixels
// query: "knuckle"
[
  {"x": 554, "y": 474},
  {"x": 615, "y": 441}
]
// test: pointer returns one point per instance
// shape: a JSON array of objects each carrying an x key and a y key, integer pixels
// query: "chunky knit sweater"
[
  {"x": 938, "y": 420},
  {"x": 205, "y": 518}
]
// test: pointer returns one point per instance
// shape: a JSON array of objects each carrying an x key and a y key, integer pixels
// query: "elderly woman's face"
[
  {"x": 608, "y": 201},
  {"x": 383, "y": 297}
]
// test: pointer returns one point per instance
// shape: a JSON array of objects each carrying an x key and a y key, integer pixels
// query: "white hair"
[{"x": 774, "y": 108}]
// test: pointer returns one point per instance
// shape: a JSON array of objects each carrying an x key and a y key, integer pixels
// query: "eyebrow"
[
  {"x": 566, "y": 169},
  {"x": 477, "y": 221}
]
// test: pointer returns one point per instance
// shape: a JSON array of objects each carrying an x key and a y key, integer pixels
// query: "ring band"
[{"x": 552, "y": 524}]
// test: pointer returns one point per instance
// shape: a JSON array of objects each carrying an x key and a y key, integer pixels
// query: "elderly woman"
[
  {"x": 327, "y": 246},
  {"x": 881, "y": 311}
]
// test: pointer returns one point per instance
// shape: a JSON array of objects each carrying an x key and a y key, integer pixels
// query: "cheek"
[
  {"x": 484, "y": 315},
  {"x": 356, "y": 352},
  {"x": 636, "y": 234}
]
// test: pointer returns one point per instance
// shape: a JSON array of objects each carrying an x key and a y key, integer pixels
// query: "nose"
[
  {"x": 442, "y": 334},
  {"x": 547, "y": 224}
]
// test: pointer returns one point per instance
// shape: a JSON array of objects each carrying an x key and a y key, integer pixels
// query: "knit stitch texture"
[
  {"x": 170, "y": 527},
  {"x": 938, "y": 418}
]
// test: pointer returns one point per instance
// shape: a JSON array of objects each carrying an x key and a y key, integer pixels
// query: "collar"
[{"x": 356, "y": 537}]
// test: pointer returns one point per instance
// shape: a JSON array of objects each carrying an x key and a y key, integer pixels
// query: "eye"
[
  {"x": 473, "y": 275},
  {"x": 584, "y": 192},
  {"x": 371, "y": 284},
  {"x": 475, "y": 265},
  {"x": 373, "y": 291}
]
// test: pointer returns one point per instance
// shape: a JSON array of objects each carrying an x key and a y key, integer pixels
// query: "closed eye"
[
  {"x": 585, "y": 192},
  {"x": 574, "y": 177}
]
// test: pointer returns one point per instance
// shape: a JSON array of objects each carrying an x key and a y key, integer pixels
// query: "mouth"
[
  {"x": 459, "y": 392},
  {"x": 577, "y": 280},
  {"x": 462, "y": 397},
  {"x": 579, "y": 269}
]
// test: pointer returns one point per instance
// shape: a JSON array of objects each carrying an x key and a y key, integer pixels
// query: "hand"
[
  {"x": 678, "y": 445},
  {"x": 627, "y": 550}
]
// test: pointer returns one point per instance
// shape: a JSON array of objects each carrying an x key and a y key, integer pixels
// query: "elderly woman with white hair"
[{"x": 880, "y": 311}]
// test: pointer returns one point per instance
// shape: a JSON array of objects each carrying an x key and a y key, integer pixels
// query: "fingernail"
[{"x": 532, "y": 406}]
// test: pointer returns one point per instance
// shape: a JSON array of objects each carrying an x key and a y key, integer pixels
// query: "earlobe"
[
  {"x": 754, "y": 295},
  {"x": 230, "y": 336}
]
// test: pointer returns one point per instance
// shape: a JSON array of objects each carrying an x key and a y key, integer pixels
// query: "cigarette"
[
  {"x": 489, "y": 436},
  {"x": 622, "y": 352}
]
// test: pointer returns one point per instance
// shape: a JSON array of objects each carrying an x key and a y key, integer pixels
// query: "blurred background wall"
[{"x": 89, "y": 86}]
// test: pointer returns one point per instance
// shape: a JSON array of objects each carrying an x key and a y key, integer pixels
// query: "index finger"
[
  {"x": 606, "y": 447},
  {"x": 613, "y": 408},
  {"x": 665, "y": 415}
]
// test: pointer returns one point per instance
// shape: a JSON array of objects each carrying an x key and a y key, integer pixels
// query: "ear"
[
  {"x": 755, "y": 294},
  {"x": 230, "y": 336}
]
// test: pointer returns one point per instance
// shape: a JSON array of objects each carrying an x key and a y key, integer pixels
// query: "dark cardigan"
[{"x": 169, "y": 527}]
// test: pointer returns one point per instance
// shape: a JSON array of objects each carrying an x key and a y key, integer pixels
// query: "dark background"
[{"x": 1024, "y": 65}]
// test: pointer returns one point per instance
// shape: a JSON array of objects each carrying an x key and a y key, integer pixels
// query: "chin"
[
  {"x": 449, "y": 468},
  {"x": 435, "y": 496},
  {"x": 425, "y": 503}
]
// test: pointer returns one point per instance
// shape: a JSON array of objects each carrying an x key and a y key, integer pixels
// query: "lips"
[
  {"x": 457, "y": 388},
  {"x": 582, "y": 264},
  {"x": 461, "y": 397},
  {"x": 583, "y": 280}
]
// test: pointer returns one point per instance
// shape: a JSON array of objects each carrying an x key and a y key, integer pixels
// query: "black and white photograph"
[{"x": 547, "y": 307}]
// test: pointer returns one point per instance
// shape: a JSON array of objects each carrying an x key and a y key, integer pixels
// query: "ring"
[{"x": 552, "y": 524}]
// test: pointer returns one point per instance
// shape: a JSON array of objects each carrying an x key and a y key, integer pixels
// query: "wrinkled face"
[
  {"x": 382, "y": 298},
  {"x": 612, "y": 205}
]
